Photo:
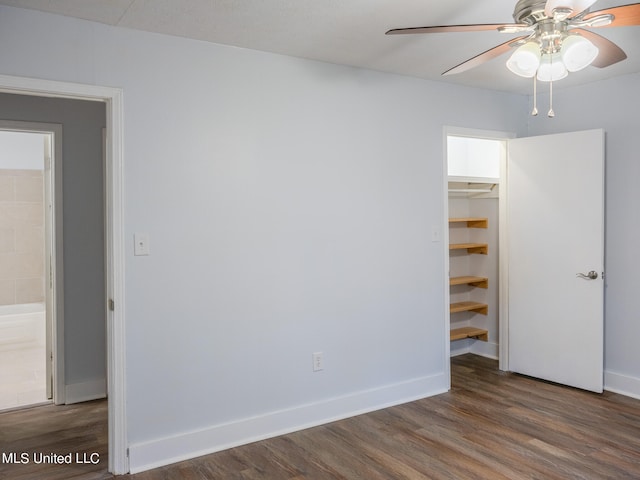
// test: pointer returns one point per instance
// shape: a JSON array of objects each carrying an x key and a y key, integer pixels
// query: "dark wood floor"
[
  {"x": 64, "y": 429},
  {"x": 491, "y": 425}
]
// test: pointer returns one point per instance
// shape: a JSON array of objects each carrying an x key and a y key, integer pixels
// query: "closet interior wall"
[{"x": 462, "y": 263}]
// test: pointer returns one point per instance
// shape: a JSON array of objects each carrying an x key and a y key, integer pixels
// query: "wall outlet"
[
  {"x": 141, "y": 244},
  {"x": 318, "y": 363}
]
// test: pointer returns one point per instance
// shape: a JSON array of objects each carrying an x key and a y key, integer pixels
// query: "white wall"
[
  {"x": 21, "y": 151},
  {"x": 613, "y": 106},
  {"x": 473, "y": 157},
  {"x": 289, "y": 205}
]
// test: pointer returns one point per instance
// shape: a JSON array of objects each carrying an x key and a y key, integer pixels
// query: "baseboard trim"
[
  {"x": 85, "y": 391},
  {"x": 485, "y": 349},
  {"x": 622, "y": 384},
  {"x": 156, "y": 453},
  {"x": 477, "y": 347},
  {"x": 459, "y": 347}
]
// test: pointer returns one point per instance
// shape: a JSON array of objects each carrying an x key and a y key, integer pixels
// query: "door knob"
[{"x": 592, "y": 275}]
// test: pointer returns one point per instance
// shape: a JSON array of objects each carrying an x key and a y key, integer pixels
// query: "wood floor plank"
[
  {"x": 492, "y": 425},
  {"x": 68, "y": 429}
]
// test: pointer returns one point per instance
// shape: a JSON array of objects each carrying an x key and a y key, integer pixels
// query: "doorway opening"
[
  {"x": 114, "y": 243},
  {"x": 30, "y": 363},
  {"x": 474, "y": 162}
]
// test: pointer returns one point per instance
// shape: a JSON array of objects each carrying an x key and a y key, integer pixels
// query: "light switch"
[
  {"x": 141, "y": 244},
  {"x": 435, "y": 233}
]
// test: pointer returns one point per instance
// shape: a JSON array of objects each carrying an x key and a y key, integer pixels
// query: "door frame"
[
  {"x": 118, "y": 462},
  {"x": 54, "y": 271},
  {"x": 503, "y": 318}
]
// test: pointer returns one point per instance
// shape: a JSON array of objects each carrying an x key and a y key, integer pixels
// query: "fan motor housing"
[{"x": 529, "y": 12}]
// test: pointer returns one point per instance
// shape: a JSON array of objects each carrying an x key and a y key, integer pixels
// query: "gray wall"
[
  {"x": 290, "y": 206},
  {"x": 83, "y": 229}
]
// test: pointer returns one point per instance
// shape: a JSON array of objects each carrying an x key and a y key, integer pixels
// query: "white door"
[{"x": 555, "y": 218}]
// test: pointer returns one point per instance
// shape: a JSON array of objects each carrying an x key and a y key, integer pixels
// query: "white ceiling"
[{"x": 348, "y": 32}]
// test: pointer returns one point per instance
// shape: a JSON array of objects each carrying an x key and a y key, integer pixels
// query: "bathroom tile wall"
[{"x": 21, "y": 236}]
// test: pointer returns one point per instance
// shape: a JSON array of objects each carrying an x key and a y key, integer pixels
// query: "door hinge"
[{"x": 112, "y": 305}]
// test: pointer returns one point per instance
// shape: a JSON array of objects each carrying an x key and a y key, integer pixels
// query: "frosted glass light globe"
[
  {"x": 578, "y": 52},
  {"x": 552, "y": 68},
  {"x": 525, "y": 60}
]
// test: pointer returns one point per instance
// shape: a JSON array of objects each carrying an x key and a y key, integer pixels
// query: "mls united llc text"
[{"x": 52, "y": 458}]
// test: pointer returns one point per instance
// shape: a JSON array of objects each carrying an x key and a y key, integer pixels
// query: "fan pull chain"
[
  {"x": 534, "y": 112},
  {"x": 551, "y": 113}
]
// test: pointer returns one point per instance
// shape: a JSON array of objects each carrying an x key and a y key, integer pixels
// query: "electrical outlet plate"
[{"x": 141, "y": 244}]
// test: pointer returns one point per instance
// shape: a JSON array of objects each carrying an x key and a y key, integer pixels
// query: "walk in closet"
[{"x": 473, "y": 211}]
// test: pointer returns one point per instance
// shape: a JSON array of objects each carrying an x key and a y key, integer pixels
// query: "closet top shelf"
[
  {"x": 461, "y": 179},
  {"x": 473, "y": 187},
  {"x": 472, "y": 222}
]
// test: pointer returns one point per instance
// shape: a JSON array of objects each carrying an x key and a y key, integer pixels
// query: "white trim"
[
  {"x": 503, "y": 264},
  {"x": 183, "y": 446},
  {"x": 459, "y": 347},
  {"x": 51, "y": 88},
  {"x": 445, "y": 255},
  {"x": 622, "y": 384},
  {"x": 477, "y": 133},
  {"x": 118, "y": 457},
  {"x": 477, "y": 347},
  {"x": 114, "y": 239},
  {"x": 485, "y": 349},
  {"x": 85, "y": 391}
]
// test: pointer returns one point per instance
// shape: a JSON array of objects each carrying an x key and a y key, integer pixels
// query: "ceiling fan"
[{"x": 556, "y": 38}]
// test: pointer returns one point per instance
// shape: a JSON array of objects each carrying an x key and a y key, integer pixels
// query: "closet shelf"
[
  {"x": 473, "y": 186},
  {"x": 468, "y": 306},
  {"x": 480, "y": 248},
  {"x": 469, "y": 332},
  {"x": 472, "y": 222},
  {"x": 480, "y": 282}
]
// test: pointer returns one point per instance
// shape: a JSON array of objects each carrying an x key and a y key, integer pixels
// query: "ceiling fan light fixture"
[
  {"x": 552, "y": 68},
  {"x": 525, "y": 60},
  {"x": 556, "y": 39},
  {"x": 578, "y": 52}
]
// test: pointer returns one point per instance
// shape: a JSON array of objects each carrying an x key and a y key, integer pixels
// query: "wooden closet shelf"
[
  {"x": 469, "y": 332},
  {"x": 480, "y": 282},
  {"x": 472, "y": 222},
  {"x": 477, "y": 307},
  {"x": 480, "y": 248}
]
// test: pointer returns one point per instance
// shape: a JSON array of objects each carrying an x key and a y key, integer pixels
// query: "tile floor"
[{"x": 22, "y": 375}]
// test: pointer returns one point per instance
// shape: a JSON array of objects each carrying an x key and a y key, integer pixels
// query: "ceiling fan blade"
[
  {"x": 610, "y": 53},
  {"x": 484, "y": 57},
  {"x": 456, "y": 28},
  {"x": 625, "y": 15},
  {"x": 576, "y": 6}
]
